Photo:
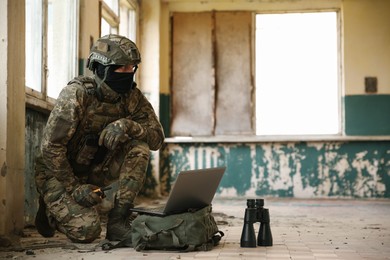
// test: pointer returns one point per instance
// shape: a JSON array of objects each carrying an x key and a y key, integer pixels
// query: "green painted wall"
[
  {"x": 367, "y": 115},
  {"x": 304, "y": 170}
]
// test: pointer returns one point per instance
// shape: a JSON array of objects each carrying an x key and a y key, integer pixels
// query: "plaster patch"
[
  {"x": 342, "y": 166},
  {"x": 380, "y": 188},
  {"x": 325, "y": 185},
  {"x": 298, "y": 190},
  {"x": 318, "y": 146}
]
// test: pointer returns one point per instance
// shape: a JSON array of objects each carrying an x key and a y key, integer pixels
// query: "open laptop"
[{"x": 193, "y": 189}]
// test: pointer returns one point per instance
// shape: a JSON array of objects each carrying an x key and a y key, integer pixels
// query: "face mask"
[{"x": 120, "y": 82}]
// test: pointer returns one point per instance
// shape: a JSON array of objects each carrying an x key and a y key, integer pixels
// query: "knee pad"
[
  {"x": 85, "y": 234},
  {"x": 78, "y": 223}
]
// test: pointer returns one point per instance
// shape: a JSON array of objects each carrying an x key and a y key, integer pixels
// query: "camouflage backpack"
[{"x": 189, "y": 231}]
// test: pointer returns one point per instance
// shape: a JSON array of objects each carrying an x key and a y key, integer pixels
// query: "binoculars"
[{"x": 255, "y": 212}]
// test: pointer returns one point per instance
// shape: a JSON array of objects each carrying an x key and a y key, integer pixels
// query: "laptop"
[{"x": 193, "y": 189}]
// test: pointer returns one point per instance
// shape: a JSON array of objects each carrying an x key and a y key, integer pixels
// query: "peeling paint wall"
[
  {"x": 35, "y": 123},
  {"x": 302, "y": 170}
]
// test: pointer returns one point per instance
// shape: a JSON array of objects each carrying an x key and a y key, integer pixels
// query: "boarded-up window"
[{"x": 212, "y": 74}]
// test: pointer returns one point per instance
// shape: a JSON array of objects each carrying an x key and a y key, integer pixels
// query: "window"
[
  {"x": 297, "y": 82},
  {"x": 110, "y": 17},
  {"x": 119, "y": 17},
  {"x": 61, "y": 45},
  {"x": 51, "y": 46},
  {"x": 286, "y": 84},
  {"x": 34, "y": 44},
  {"x": 128, "y": 20},
  {"x": 113, "y": 5}
]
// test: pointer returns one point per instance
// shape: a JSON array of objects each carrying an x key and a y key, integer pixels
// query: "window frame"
[
  {"x": 39, "y": 100},
  {"x": 129, "y": 5},
  {"x": 109, "y": 16},
  {"x": 340, "y": 86},
  {"x": 254, "y": 137}
]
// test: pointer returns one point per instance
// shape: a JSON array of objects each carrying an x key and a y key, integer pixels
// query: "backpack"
[{"x": 189, "y": 231}]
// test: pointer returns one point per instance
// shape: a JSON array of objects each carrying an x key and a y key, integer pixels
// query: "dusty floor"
[{"x": 301, "y": 229}]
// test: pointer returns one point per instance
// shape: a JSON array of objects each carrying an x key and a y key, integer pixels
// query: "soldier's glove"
[
  {"x": 86, "y": 196},
  {"x": 114, "y": 133}
]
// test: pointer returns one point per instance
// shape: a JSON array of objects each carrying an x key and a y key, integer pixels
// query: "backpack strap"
[
  {"x": 151, "y": 236},
  {"x": 214, "y": 241},
  {"x": 107, "y": 245},
  {"x": 89, "y": 84}
]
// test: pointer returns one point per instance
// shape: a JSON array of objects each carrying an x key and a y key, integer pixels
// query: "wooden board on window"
[
  {"x": 192, "y": 90},
  {"x": 234, "y": 111}
]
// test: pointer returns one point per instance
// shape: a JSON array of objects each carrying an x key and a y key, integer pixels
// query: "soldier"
[{"x": 100, "y": 130}]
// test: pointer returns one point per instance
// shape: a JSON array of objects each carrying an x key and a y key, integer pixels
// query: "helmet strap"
[{"x": 100, "y": 81}]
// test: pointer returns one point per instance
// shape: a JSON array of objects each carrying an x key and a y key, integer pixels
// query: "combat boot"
[
  {"x": 119, "y": 223},
  {"x": 42, "y": 221}
]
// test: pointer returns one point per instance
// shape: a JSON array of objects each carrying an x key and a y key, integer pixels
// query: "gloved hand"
[
  {"x": 114, "y": 133},
  {"x": 85, "y": 195}
]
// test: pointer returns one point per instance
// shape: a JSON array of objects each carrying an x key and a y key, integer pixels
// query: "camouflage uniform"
[{"x": 70, "y": 154}]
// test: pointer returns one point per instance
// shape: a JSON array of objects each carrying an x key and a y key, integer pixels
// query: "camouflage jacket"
[{"x": 80, "y": 110}]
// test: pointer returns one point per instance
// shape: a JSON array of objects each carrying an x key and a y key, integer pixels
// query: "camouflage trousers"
[{"x": 127, "y": 165}]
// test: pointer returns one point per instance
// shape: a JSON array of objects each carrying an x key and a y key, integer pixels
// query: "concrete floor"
[{"x": 301, "y": 229}]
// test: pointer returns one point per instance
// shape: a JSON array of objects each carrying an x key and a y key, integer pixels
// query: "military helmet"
[{"x": 113, "y": 49}]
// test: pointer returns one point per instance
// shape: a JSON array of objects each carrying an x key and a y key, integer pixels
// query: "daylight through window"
[{"x": 297, "y": 75}]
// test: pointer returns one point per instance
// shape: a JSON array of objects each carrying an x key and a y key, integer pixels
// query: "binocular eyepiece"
[{"x": 255, "y": 212}]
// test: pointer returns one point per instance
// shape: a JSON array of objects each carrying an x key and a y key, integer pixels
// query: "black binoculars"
[{"x": 255, "y": 212}]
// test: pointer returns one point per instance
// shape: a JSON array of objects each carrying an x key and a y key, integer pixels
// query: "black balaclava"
[{"x": 120, "y": 82}]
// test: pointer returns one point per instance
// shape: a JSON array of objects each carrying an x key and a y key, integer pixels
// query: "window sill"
[
  {"x": 34, "y": 100},
  {"x": 267, "y": 139}
]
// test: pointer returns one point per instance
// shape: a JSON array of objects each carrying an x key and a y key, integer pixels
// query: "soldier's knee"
[
  {"x": 83, "y": 229},
  {"x": 80, "y": 224},
  {"x": 139, "y": 149},
  {"x": 86, "y": 233}
]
